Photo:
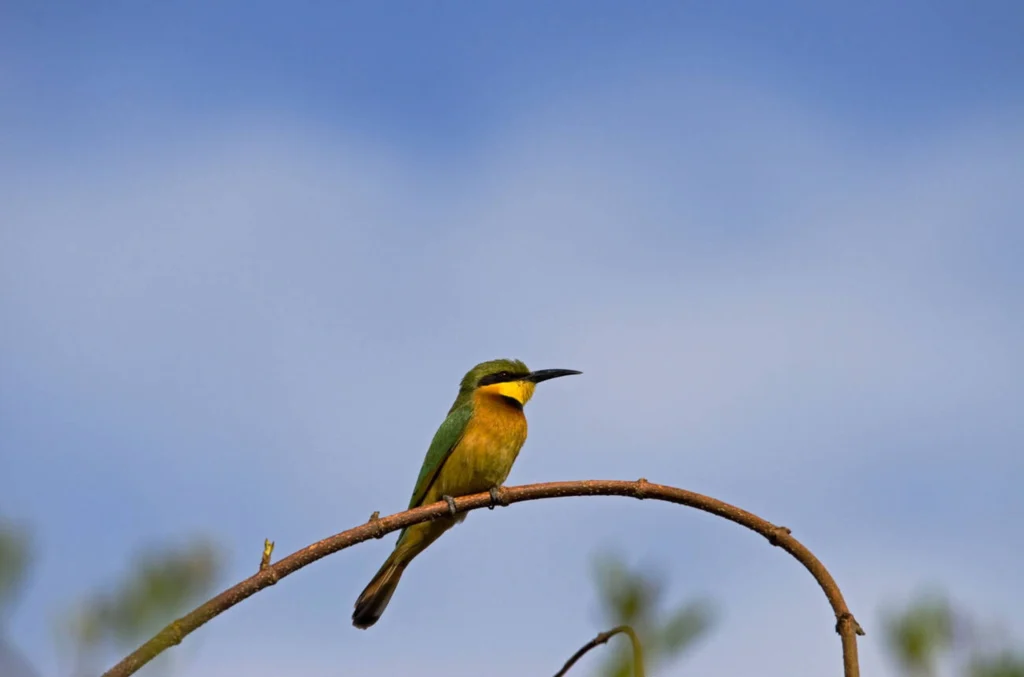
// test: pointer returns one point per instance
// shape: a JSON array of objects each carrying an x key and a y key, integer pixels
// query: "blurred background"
[{"x": 248, "y": 249}]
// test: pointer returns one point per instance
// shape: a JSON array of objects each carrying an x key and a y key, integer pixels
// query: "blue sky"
[{"x": 784, "y": 244}]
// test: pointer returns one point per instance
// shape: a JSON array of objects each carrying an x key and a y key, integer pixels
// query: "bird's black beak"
[{"x": 545, "y": 374}]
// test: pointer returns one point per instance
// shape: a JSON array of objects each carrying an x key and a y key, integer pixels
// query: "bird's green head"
[{"x": 507, "y": 378}]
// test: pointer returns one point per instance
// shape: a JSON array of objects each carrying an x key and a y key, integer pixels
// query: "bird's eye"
[{"x": 504, "y": 374}]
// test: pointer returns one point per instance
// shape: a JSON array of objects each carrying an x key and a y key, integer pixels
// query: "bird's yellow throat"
[{"x": 520, "y": 391}]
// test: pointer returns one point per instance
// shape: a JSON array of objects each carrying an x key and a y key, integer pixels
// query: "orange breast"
[{"x": 489, "y": 447}]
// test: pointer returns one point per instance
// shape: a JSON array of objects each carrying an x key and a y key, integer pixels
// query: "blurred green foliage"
[
  {"x": 633, "y": 597},
  {"x": 160, "y": 585},
  {"x": 920, "y": 634},
  {"x": 929, "y": 631},
  {"x": 15, "y": 555},
  {"x": 1005, "y": 663},
  {"x": 926, "y": 633}
]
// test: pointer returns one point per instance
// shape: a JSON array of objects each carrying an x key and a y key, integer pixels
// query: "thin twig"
[
  {"x": 846, "y": 625},
  {"x": 638, "y": 653}
]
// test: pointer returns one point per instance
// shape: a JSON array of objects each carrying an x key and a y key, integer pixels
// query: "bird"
[{"x": 472, "y": 451}]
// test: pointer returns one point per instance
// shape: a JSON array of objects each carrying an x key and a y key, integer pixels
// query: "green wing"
[{"x": 445, "y": 440}]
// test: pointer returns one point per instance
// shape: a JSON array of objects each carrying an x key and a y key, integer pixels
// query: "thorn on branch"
[
  {"x": 847, "y": 617},
  {"x": 602, "y": 638},
  {"x": 375, "y": 517},
  {"x": 268, "y": 550},
  {"x": 775, "y": 536}
]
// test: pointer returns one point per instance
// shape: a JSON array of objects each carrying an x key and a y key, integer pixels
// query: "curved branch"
[
  {"x": 638, "y": 654},
  {"x": 377, "y": 527}
]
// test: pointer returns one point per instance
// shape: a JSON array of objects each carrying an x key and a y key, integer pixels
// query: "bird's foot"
[
  {"x": 451, "y": 504},
  {"x": 497, "y": 497}
]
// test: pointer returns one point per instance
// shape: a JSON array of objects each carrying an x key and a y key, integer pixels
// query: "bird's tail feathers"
[{"x": 374, "y": 599}]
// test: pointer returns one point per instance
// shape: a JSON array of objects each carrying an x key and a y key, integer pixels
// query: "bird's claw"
[
  {"x": 496, "y": 497},
  {"x": 451, "y": 504}
]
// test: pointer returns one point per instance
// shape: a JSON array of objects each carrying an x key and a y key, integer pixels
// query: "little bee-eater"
[{"x": 472, "y": 451}]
